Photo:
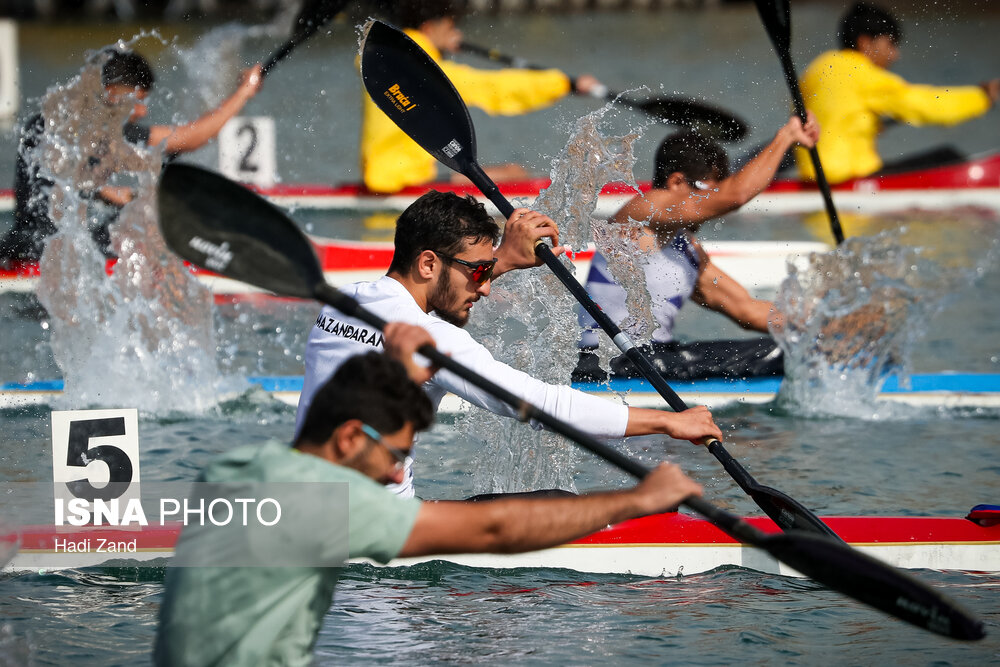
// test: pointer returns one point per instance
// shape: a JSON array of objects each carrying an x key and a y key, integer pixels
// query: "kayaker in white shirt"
[{"x": 444, "y": 262}]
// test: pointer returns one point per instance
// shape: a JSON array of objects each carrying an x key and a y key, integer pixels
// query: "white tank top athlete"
[{"x": 671, "y": 274}]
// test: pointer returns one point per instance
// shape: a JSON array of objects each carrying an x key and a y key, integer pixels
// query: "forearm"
[
  {"x": 757, "y": 174},
  {"x": 115, "y": 195},
  {"x": 521, "y": 525},
  {"x": 516, "y": 524},
  {"x": 594, "y": 415},
  {"x": 756, "y": 315},
  {"x": 194, "y": 135},
  {"x": 717, "y": 291},
  {"x": 694, "y": 424},
  {"x": 646, "y": 421}
]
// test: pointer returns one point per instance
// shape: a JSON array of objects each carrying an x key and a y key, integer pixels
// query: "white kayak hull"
[
  {"x": 756, "y": 264},
  {"x": 949, "y": 389}
]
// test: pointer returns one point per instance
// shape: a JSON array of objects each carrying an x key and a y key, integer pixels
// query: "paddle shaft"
[
  {"x": 776, "y": 17},
  {"x": 279, "y": 55},
  {"x": 312, "y": 15},
  {"x": 728, "y": 523},
  {"x": 800, "y": 109},
  {"x": 782, "y": 509}
]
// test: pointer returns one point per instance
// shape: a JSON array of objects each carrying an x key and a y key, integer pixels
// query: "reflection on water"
[{"x": 440, "y": 612}]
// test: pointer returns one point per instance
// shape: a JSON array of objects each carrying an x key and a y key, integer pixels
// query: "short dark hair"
[
  {"x": 442, "y": 222},
  {"x": 867, "y": 19},
  {"x": 413, "y": 13},
  {"x": 692, "y": 154},
  {"x": 371, "y": 387},
  {"x": 126, "y": 68}
]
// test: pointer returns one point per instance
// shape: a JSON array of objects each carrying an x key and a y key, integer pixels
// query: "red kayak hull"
[{"x": 661, "y": 544}]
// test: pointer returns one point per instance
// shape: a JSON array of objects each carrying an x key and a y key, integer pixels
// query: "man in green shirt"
[{"x": 358, "y": 431}]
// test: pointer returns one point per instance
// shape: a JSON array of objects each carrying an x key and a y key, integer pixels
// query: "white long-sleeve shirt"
[{"x": 335, "y": 337}]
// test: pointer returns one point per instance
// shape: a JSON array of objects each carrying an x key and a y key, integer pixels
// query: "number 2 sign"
[{"x": 246, "y": 150}]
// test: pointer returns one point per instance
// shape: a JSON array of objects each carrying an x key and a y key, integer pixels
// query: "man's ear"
[
  {"x": 676, "y": 180},
  {"x": 425, "y": 264},
  {"x": 348, "y": 439},
  {"x": 864, "y": 44}
]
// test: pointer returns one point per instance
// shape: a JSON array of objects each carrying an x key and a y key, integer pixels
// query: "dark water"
[
  {"x": 935, "y": 462},
  {"x": 892, "y": 461}
]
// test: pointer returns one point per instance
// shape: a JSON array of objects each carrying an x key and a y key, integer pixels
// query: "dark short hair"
[
  {"x": 692, "y": 154},
  {"x": 126, "y": 68},
  {"x": 413, "y": 13},
  {"x": 867, "y": 19},
  {"x": 442, "y": 222},
  {"x": 371, "y": 387}
]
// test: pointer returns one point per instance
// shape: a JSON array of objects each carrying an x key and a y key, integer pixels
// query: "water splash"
[
  {"x": 215, "y": 61},
  {"x": 626, "y": 247},
  {"x": 853, "y": 315},
  {"x": 143, "y": 335},
  {"x": 529, "y": 320}
]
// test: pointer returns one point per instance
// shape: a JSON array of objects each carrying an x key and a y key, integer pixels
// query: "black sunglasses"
[{"x": 481, "y": 271}]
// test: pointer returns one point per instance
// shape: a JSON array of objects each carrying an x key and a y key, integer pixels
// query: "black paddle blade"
[
  {"x": 705, "y": 118},
  {"x": 785, "y": 511},
  {"x": 871, "y": 581},
  {"x": 846, "y": 570},
  {"x": 220, "y": 225},
  {"x": 410, "y": 88},
  {"x": 776, "y": 17}
]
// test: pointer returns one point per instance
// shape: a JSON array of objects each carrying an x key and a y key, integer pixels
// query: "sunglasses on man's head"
[{"x": 481, "y": 271}]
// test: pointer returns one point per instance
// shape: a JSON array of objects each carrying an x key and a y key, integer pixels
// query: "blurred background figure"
[
  {"x": 124, "y": 74},
  {"x": 390, "y": 160},
  {"x": 851, "y": 92}
]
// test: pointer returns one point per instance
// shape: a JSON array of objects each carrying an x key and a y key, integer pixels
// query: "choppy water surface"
[{"x": 877, "y": 460}]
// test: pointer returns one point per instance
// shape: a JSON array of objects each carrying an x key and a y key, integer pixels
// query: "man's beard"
[{"x": 444, "y": 294}]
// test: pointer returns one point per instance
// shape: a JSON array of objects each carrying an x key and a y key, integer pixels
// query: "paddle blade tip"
[{"x": 868, "y": 580}]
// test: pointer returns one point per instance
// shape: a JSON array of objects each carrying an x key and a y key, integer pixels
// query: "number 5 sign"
[
  {"x": 246, "y": 150},
  {"x": 95, "y": 454}
]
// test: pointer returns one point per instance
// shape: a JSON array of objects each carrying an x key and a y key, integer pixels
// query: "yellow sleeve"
[
  {"x": 391, "y": 161},
  {"x": 919, "y": 104},
  {"x": 850, "y": 96},
  {"x": 507, "y": 92}
]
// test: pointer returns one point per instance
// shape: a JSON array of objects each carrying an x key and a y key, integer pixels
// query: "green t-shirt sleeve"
[{"x": 380, "y": 521}]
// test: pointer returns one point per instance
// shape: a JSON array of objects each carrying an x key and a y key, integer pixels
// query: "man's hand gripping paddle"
[
  {"x": 412, "y": 90},
  {"x": 217, "y": 224}
]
